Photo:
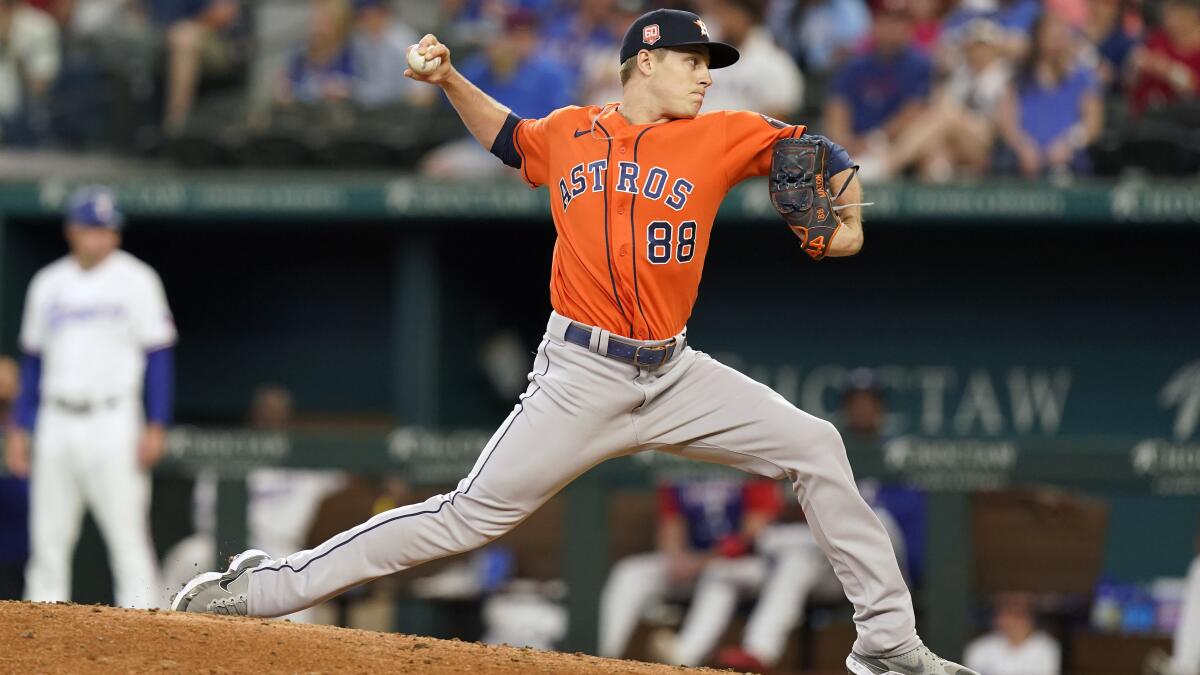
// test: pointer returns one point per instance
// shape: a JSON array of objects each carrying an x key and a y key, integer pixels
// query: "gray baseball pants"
[{"x": 582, "y": 408}]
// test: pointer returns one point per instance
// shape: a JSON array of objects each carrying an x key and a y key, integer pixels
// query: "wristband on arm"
[
  {"x": 26, "y": 408},
  {"x": 159, "y": 386}
]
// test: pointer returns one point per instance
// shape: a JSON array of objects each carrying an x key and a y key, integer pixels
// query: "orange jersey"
[{"x": 633, "y": 207}]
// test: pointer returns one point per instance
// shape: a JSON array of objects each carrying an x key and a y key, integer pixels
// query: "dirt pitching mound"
[{"x": 65, "y": 638}]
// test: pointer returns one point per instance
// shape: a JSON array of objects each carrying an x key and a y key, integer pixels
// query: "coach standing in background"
[{"x": 98, "y": 337}]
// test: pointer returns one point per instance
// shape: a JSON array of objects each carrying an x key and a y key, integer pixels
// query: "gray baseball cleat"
[
  {"x": 221, "y": 592},
  {"x": 920, "y": 661}
]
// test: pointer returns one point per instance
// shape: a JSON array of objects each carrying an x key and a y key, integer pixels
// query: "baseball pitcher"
[
  {"x": 634, "y": 189},
  {"x": 98, "y": 338}
]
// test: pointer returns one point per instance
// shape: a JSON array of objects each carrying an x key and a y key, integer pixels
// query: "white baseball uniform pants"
[
  {"x": 90, "y": 460},
  {"x": 1186, "y": 651},
  {"x": 582, "y": 408}
]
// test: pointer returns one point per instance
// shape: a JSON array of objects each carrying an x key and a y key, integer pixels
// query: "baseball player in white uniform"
[
  {"x": 616, "y": 373},
  {"x": 98, "y": 337},
  {"x": 1187, "y": 633},
  {"x": 1185, "y": 653}
]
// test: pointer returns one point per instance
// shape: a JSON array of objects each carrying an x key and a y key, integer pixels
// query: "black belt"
[
  {"x": 84, "y": 407},
  {"x": 640, "y": 355}
]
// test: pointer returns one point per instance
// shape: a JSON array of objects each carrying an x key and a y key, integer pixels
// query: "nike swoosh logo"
[{"x": 582, "y": 132}]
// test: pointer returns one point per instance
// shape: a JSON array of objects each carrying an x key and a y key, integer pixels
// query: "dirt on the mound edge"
[{"x": 68, "y": 638}]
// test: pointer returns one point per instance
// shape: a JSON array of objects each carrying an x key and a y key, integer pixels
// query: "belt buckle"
[
  {"x": 73, "y": 407},
  {"x": 637, "y": 361}
]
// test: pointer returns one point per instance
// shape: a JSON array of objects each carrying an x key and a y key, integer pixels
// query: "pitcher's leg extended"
[
  {"x": 706, "y": 410},
  {"x": 572, "y": 417}
]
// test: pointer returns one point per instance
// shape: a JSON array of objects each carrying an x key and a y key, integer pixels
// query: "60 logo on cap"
[{"x": 674, "y": 28}]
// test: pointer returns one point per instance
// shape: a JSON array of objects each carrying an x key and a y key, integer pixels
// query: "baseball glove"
[{"x": 799, "y": 174}]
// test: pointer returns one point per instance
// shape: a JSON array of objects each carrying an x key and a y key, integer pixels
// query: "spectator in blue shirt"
[
  {"x": 469, "y": 25},
  {"x": 1053, "y": 110},
  {"x": 819, "y": 34},
  {"x": 380, "y": 46},
  {"x": 1105, "y": 28},
  {"x": 324, "y": 70},
  {"x": 201, "y": 42},
  {"x": 571, "y": 36},
  {"x": 508, "y": 71},
  {"x": 1016, "y": 17},
  {"x": 954, "y": 136},
  {"x": 596, "y": 83},
  {"x": 532, "y": 85},
  {"x": 167, "y": 13},
  {"x": 876, "y": 97}
]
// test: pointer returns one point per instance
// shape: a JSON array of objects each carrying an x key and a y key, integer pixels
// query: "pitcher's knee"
[
  {"x": 808, "y": 434},
  {"x": 486, "y": 522},
  {"x": 810, "y": 446},
  {"x": 827, "y": 436}
]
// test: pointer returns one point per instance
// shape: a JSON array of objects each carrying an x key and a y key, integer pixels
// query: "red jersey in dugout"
[{"x": 633, "y": 207}]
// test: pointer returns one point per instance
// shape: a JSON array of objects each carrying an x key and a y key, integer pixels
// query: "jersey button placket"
[
  {"x": 618, "y": 199},
  {"x": 619, "y": 205}
]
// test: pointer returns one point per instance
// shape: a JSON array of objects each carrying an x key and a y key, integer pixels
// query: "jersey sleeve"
[
  {"x": 153, "y": 324},
  {"x": 748, "y": 140},
  {"x": 533, "y": 138},
  {"x": 34, "y": 320}
]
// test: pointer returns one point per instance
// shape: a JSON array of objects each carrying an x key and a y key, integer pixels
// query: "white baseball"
[{"x": 419, "y": 65}]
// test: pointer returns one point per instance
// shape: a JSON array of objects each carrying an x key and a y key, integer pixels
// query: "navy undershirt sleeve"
[
  {"x": 26, "y": 408},
  {"x": 839, "y": 160},
  {"x": 504, "y": 146},
  {"x": 159, "y": 387}
]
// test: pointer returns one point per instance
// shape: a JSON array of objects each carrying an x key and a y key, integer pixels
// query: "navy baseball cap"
[
  {"x": 674, "y": 28},
  {"x": 94, "y": 207}
]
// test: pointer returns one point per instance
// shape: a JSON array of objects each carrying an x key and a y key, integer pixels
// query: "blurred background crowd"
[{"x": 935, "y": 89}]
